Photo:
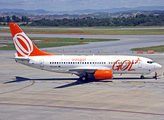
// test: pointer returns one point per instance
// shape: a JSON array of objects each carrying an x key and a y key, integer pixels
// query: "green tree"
[
  {"x": 16, "y": 19},
  {"x": 25, "y": 19},
  {"x": 8, "y": 19}
]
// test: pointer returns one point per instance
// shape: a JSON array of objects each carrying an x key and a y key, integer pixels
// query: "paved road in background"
[{"x": 124, "y": 45}]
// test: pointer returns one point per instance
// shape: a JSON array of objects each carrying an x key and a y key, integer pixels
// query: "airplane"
[{"x": 97, "y": 66}]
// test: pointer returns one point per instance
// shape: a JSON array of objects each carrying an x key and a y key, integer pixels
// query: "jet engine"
[{"x": 103, "y": 74}]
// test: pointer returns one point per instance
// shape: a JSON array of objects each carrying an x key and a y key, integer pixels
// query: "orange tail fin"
[{"x": 24, "y": 46}]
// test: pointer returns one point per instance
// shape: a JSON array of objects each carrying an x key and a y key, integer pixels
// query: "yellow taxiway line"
[
  {"x": 5, "y": 84},
  {"x": 19, "y": 88}
]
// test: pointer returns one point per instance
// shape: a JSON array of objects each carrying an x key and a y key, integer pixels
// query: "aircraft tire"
[
  {"x": 142, "y": 77},
  {"x": 83, "y": 78}
]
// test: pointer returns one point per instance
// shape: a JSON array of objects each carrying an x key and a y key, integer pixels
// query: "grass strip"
[
  {"x": 55, "y": 42},
  {"x": 155, "y": 48}
]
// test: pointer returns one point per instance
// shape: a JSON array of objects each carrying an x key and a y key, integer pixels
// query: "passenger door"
[
  {"x": 41, "y": 63},
  {"x": 139, "y": 64}
]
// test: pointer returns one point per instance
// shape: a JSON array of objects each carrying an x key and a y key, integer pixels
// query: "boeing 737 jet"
[{"x": 97, "y": 66}]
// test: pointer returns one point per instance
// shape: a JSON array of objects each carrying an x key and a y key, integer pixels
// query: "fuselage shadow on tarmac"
[
  {"x": 21, "y": 79},
  {"x": 78, "y": 81},
  {"x": 132, "y": 78}
]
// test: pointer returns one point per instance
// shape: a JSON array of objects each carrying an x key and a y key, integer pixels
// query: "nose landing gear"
[{"x": 142, "y": 77}]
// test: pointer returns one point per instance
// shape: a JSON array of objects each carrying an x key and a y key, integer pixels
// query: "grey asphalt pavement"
[
  {"x": 124, "y": 45},
  {"x": 28, "y": 93}
]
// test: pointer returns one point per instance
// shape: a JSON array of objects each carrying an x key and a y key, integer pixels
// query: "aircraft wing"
[{"x": 89, "y": 70}]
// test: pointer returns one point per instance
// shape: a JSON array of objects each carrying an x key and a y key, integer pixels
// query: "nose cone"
[{"x": 158, "y": 66}]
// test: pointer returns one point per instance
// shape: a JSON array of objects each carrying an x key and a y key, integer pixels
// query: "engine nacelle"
[{"x": 103, "y": 74}]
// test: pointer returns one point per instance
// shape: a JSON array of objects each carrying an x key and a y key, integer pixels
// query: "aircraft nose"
[{"x": 158, "y": 66}]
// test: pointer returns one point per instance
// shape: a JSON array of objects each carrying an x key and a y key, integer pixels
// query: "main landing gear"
[{"x": 84, "y": 77}]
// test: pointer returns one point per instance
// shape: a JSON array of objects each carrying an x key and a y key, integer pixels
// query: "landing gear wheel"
[
  {"x": 142, "y": 77},
  {"x": 83, "y": 78}
]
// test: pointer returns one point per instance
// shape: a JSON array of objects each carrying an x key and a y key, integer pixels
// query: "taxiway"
[
  {"x": 28, "y": 93},
  {"x": 124, "y": 45}
]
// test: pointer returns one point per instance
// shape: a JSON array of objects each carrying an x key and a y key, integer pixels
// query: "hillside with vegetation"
[{"x": 138, "y": 20}]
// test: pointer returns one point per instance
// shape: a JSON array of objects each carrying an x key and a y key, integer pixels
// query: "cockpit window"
[{"x": 150, "y": 62}]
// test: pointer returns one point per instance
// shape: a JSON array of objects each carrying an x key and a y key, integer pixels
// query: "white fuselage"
[
  {"x": 101, "y": 67},
  {"x": 80, "y": 64}
]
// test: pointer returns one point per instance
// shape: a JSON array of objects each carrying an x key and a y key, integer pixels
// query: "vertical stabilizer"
[{"x": 24, "y": 46}]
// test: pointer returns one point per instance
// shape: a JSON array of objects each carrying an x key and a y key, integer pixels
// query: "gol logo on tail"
[
  {"x": 126, "y": 64},
  {"x": 23, "y": 44}
]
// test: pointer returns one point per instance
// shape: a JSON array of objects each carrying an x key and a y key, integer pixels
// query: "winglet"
[{"x": 24, "y": 46}]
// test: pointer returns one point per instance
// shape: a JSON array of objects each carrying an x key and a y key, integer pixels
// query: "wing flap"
[{"x": 88, "y": 70}]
